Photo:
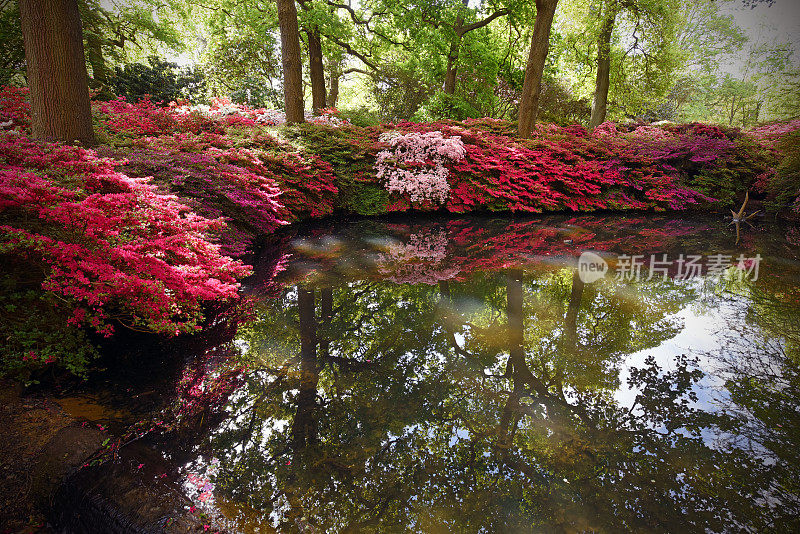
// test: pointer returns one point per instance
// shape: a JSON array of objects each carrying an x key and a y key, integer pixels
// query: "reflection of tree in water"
[
  {"x": 485, "y": 404},
  {"x": 759, "y": 362}
]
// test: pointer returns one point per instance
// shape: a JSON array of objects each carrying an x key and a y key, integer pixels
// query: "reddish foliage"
[
  {"x": 110, "y": 244},
  {"x": 14, "y": 106},
  {"x": 563, "y": 169}
]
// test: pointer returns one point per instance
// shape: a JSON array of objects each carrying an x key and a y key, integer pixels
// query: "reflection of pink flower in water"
[
  {"x": 418, "y": 261},
  {"x": 427, "y": 248},
  {"x": 198, "y": 485}
]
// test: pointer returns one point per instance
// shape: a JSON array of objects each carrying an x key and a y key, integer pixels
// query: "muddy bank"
[
  {"x": 40, "y": 445},
  {"x": 46, "y": 487},
  {"x": 136, "y": 493}
]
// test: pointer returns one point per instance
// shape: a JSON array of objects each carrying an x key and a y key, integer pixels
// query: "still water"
[{"x": 465, "y": 376}]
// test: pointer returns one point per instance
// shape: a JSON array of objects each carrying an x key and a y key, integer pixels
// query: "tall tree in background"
[
  {"x": 316, "y": 69},
  {"x": 652, "y": 26},
  {"x": 59, "y": 88},
  {"x": 540, "y": 44},
  {"x": 12, "y": 51},
  {"x": 603, "y": 75},
  {"x": 460, "y": 28},
  {"x": 290, "y": 54},
  {"x": 110, "y": 34}
]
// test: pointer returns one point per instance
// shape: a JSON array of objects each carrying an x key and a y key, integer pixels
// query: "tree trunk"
[
  {"x": 516, "y": 318},
  {"x": 732, "y": 113},
  {"x": 59, "y": 85},
  {"x": 452, "y": 57},
  {"x": 603, "y": 80},
  {"x": 290, "y": 55},
  {"x": 326, "y": 315},
  {"x": 517, "y": 368},
  {"x": 304, "y": 426},
  {"x": 531, "y": 89},
  {"x": 333, "y": 94},
  {"x": 571, "y": 318},
  {"x": 96, "y": 60},
  {"x": 316, "y": 70}
]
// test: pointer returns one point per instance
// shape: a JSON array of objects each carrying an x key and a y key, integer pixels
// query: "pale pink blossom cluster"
[
  {"x": 223, "y": 107},
  {"x": 775, "y": 129},
  {"x": 418, "y": 261},
  {"x": 651, "y": 132},
  {"x": 414, "y": 163},
  {"x": 607, "y": 128}
]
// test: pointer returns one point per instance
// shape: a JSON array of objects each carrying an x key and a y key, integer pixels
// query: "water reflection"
[{"x": 460, "y": 377}]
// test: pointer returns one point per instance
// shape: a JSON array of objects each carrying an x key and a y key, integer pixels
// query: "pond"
[{"x": 599, "y": 374}]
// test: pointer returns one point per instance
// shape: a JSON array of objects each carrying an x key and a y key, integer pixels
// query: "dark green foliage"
[
  {"x": 363, "y": 117},
  {"x": 256, "y": 94},
  {"x": 361, "y": 198},
  {"x": 557, "y": 104},
  {"x": 351, "y": 151},
  {"x": 162, "y": 80},
  {"x": 736, "y": 173},
  {"x": 12, "y": 53},
  {"x": 443, "y": 106},
  {"x": 35, "y": 331},
  {"x": 665, "y": 110},
  {"x": 785, "y": 186},
  {"x": 400, "y": 93}
]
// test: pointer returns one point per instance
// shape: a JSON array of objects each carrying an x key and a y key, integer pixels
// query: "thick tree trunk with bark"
[
  {"x": 603, "y": 79},
  {"x": 516, "y": 317},
  {"x": 326, "y": 315},
  {"x": 59, "y": 85},
  {"x": 316, "y": 70},
  {"x": 290, "y": 55},
  {"x": 540, "y": 44}
]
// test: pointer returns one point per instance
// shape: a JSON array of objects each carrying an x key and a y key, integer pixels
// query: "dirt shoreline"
[{"x": 40, "y": 445}]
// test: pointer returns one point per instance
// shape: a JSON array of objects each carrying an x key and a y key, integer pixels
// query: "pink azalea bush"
[
  {"x": 109, "y": 246},
  {"x": 414, "y": 164},
  {"x": 770, "y": 133},
  {"x": 238, "y": 113},
  {"x": 15, "y": 111}
]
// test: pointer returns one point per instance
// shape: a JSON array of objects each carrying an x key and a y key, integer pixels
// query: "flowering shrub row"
[
  {"x": 771, "y": 133},
  {"x": 613, "y": 167},
  {"x": 221, "y": 167},
  {"x": 112, "y": 243},
  {"x": 475, "y": 165},
  {"x": 566, "y": 169}
]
